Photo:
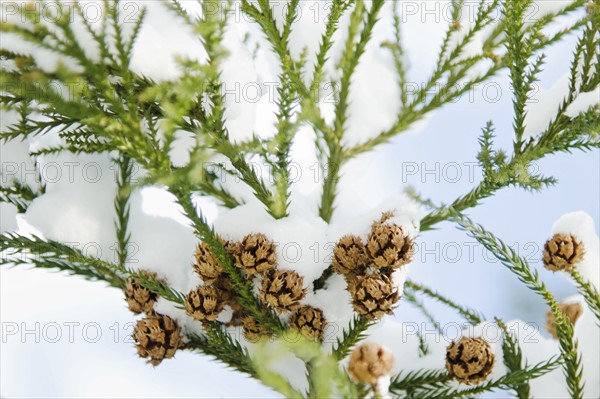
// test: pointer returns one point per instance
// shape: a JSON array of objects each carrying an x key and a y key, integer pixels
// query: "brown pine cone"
[
  {"x": 140, "y": 299},
  {"x": 227, "y": 292},
  {"x": 387, "y": 246},
  {"x": 255, "y": 254},
  {"x": 561, "y": 252},
  {"x": 369, "y": 362},
  {"x": 282, "y": 289},
  {"x": 349, "y": 254},
  {"x": 309, "y": 321},
  {"x": 572, "y": 311},
  {"x": 157, "y": 337},
  {"x": 373, "y": 296},
  {"x": 204, "y": 303},
  {"x": 470, "y": 360},
  {"x": 252, "y": 331},
  {"x": 207, "y": 265}
]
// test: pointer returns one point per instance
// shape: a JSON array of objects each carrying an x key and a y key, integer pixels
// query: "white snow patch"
[{"x": 581, "y": 225}]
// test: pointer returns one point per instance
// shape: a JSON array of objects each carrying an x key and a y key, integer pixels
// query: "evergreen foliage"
[{"x": 112, "y": 109}]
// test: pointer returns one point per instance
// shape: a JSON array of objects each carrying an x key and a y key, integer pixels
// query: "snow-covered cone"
[
  {"x": 309, "y": 321},
  {"x": 469, "y": 360},
  {"x": 252, "y": 330},
  {"x": 207, "y": 265},
  {"x": 158, "y": 337},
  {"x": 140, "y": 299},
  {"x": 349, "y": 254},
  {"x": 369, "y": 362},
  {"x": 255, "y": 254},
  {"x": 572, "y": 311},
  {"x": 561, "y": 252},
  {"x": 283, "y": 290},
  {"x": 204, "y": 303},
  {"x": 388, "y": 245},
  {"x": 373, "y": 296}
]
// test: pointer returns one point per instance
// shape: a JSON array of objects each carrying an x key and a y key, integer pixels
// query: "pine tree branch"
[
  {"x": 223, "y": 347},
  {"x": 472, "y": 316},
  {"x": 154, "y": 285},
  {"x": 513, "y": 359},
  {"x": 418, "y": 379},
  {"x": 19, "y": 194},
  {"x": 588, "y": 291},
  {"x": 48, "y": 254},
  {"x": 241, "y": 286},
  {"x": 519, "y": 266},
  {"x": 211, "y": 29},
  {"x": 326, "y": 378},
  {"x": 578, "y": 135},
  {"x": 504, "y": 382},
  {"x": 121, "y": 203},
  {"x": 412, "y": 298},
  {"x": 348, "y": 63},
  {"x": 350, "y": 336}
]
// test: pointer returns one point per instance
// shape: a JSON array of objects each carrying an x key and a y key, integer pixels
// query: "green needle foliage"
[
  {"x": 513, "y": 359},
  {"x": 530, "y": 277},
  {"x": 98, "y": 104},
  {"x": 588, "y": 291},
  {"x": 21, "y": 250}
]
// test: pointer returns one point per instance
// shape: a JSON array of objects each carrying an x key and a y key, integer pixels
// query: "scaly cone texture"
[
  {"x": 204, "y": 303},
  {"x": 470, "y": 360},
  {"x": 349, "y": 254},
  {"x": 253, "y": 332},
  {"x": 226, "y": 292},
  {"x": 140, "y": 299},
  {"x": 207, "y": 266},
  {"x": 388, "y": 246},
  {"x": 373, "y": 296},
  {"x": 368, "y": 268},
  {"x": 283, "y": 290},
  {"x": 310, "y": 322},
  {"x": 572, "y": 311},
  {"x": 255, "y": 254},
  {"x": 562, "y": 252},
  {"x": 369, "y": 362},
  {"x": 158, "y": 337}
]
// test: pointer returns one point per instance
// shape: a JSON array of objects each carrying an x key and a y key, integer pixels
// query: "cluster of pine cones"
[
  {"x": 368, "y": 267},
  {"x": 282, "y": 290},
  {"x": 157, "y": 336}
]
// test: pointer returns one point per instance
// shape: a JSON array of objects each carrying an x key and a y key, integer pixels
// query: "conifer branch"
[
  {"x": 472, "y": 316},
  {"x": 218, "y": 344},
  {"x": 504, "y": 382},
  {"x": 588, "y": 291},
  {"x": 324, "y": 374},
  {"x": 47, "y": 254},
  {"x": 113, "y": 110},
  {"x": 418, "y": 379},
  {"x": 242, "y": 287},
  {"x": 351, "y": 335},
  {"x": 518, "y": 265},
  {"x": 154, "y": 285},
  {"x": 348, "y": 63},
  {"x": 18, "y": 194},
  {"x": 513, "y": 359},
  {"x": 125, "y": 168},
  {"x": 412, "y": 298}
]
